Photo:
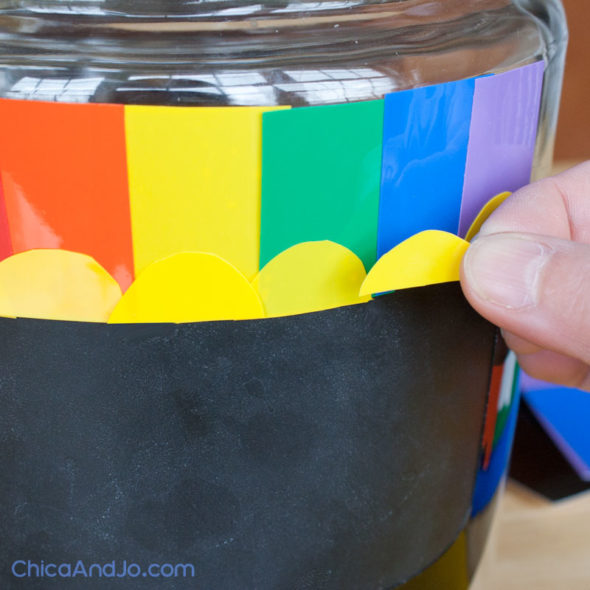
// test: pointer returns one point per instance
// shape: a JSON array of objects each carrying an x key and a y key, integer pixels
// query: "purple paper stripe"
[
  {"x": 528, "y": 383},
  {"x": 501, "y": 138}
]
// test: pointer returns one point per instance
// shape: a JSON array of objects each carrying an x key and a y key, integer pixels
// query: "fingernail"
[{"x": 505, "y": 269}]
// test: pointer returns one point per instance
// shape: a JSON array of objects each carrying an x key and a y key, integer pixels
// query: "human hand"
[{"x": 528, "y": 271}]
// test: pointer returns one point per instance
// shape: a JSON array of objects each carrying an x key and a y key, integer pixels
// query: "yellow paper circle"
[
  {"x": 56, "y": 285},
  {"x": 427, "y": 258},
  {"x": 483, "y": 215},
  {"x": 188, "y": 287},
  {"x": 310, "y": 276}
]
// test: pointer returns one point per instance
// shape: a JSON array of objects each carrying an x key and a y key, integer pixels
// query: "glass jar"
[
  {"x": 294, "y": 54},
  {"x": 274, "y": 53}
]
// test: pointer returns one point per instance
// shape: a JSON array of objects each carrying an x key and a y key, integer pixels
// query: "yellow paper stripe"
[{"x": 194, "y": 182}]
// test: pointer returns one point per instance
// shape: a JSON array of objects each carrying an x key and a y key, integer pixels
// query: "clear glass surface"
[{"x": 272, "y": 53}]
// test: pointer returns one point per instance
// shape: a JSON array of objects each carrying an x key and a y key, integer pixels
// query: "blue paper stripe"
[{"x": 425, "y": 139}]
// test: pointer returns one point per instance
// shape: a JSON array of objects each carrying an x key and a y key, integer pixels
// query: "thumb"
[{"x": 537, "y": 287}]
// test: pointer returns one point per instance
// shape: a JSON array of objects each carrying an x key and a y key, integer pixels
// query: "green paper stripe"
[
  {"x": 321, "y": 175},
  {"x": 504, "y": 412}
]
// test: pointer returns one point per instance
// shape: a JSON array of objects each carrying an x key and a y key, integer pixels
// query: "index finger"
[{"x": 558, "y": 206}]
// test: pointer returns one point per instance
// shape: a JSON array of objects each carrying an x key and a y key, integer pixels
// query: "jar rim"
[{"x": 163, "y": 14}]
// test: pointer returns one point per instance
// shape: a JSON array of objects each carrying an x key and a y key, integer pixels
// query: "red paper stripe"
[
  {"x": 64, "y": 172},
  {"x": 492, "y": 414}
]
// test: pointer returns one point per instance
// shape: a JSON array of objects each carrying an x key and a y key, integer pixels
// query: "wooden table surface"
[{"x": 537, "y": 545}]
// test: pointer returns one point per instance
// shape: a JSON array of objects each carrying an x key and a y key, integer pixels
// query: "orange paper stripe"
[
  {"x": 64, "y": 173},
  {"x": 5, "y": 242},
  {"x": 492, "y": 414}
]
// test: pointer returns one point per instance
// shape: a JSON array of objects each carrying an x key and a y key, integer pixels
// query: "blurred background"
[{"x": 573, "y": 131}]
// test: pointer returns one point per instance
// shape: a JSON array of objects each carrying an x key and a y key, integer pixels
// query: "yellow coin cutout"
[
  {"x": 427, "y": 258},
  {"x": 483, "y": 215},
  {"x": 310, "y": 276},
  {"x": 56, "y": 285},
  {"x": 188, "y": 287}
]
